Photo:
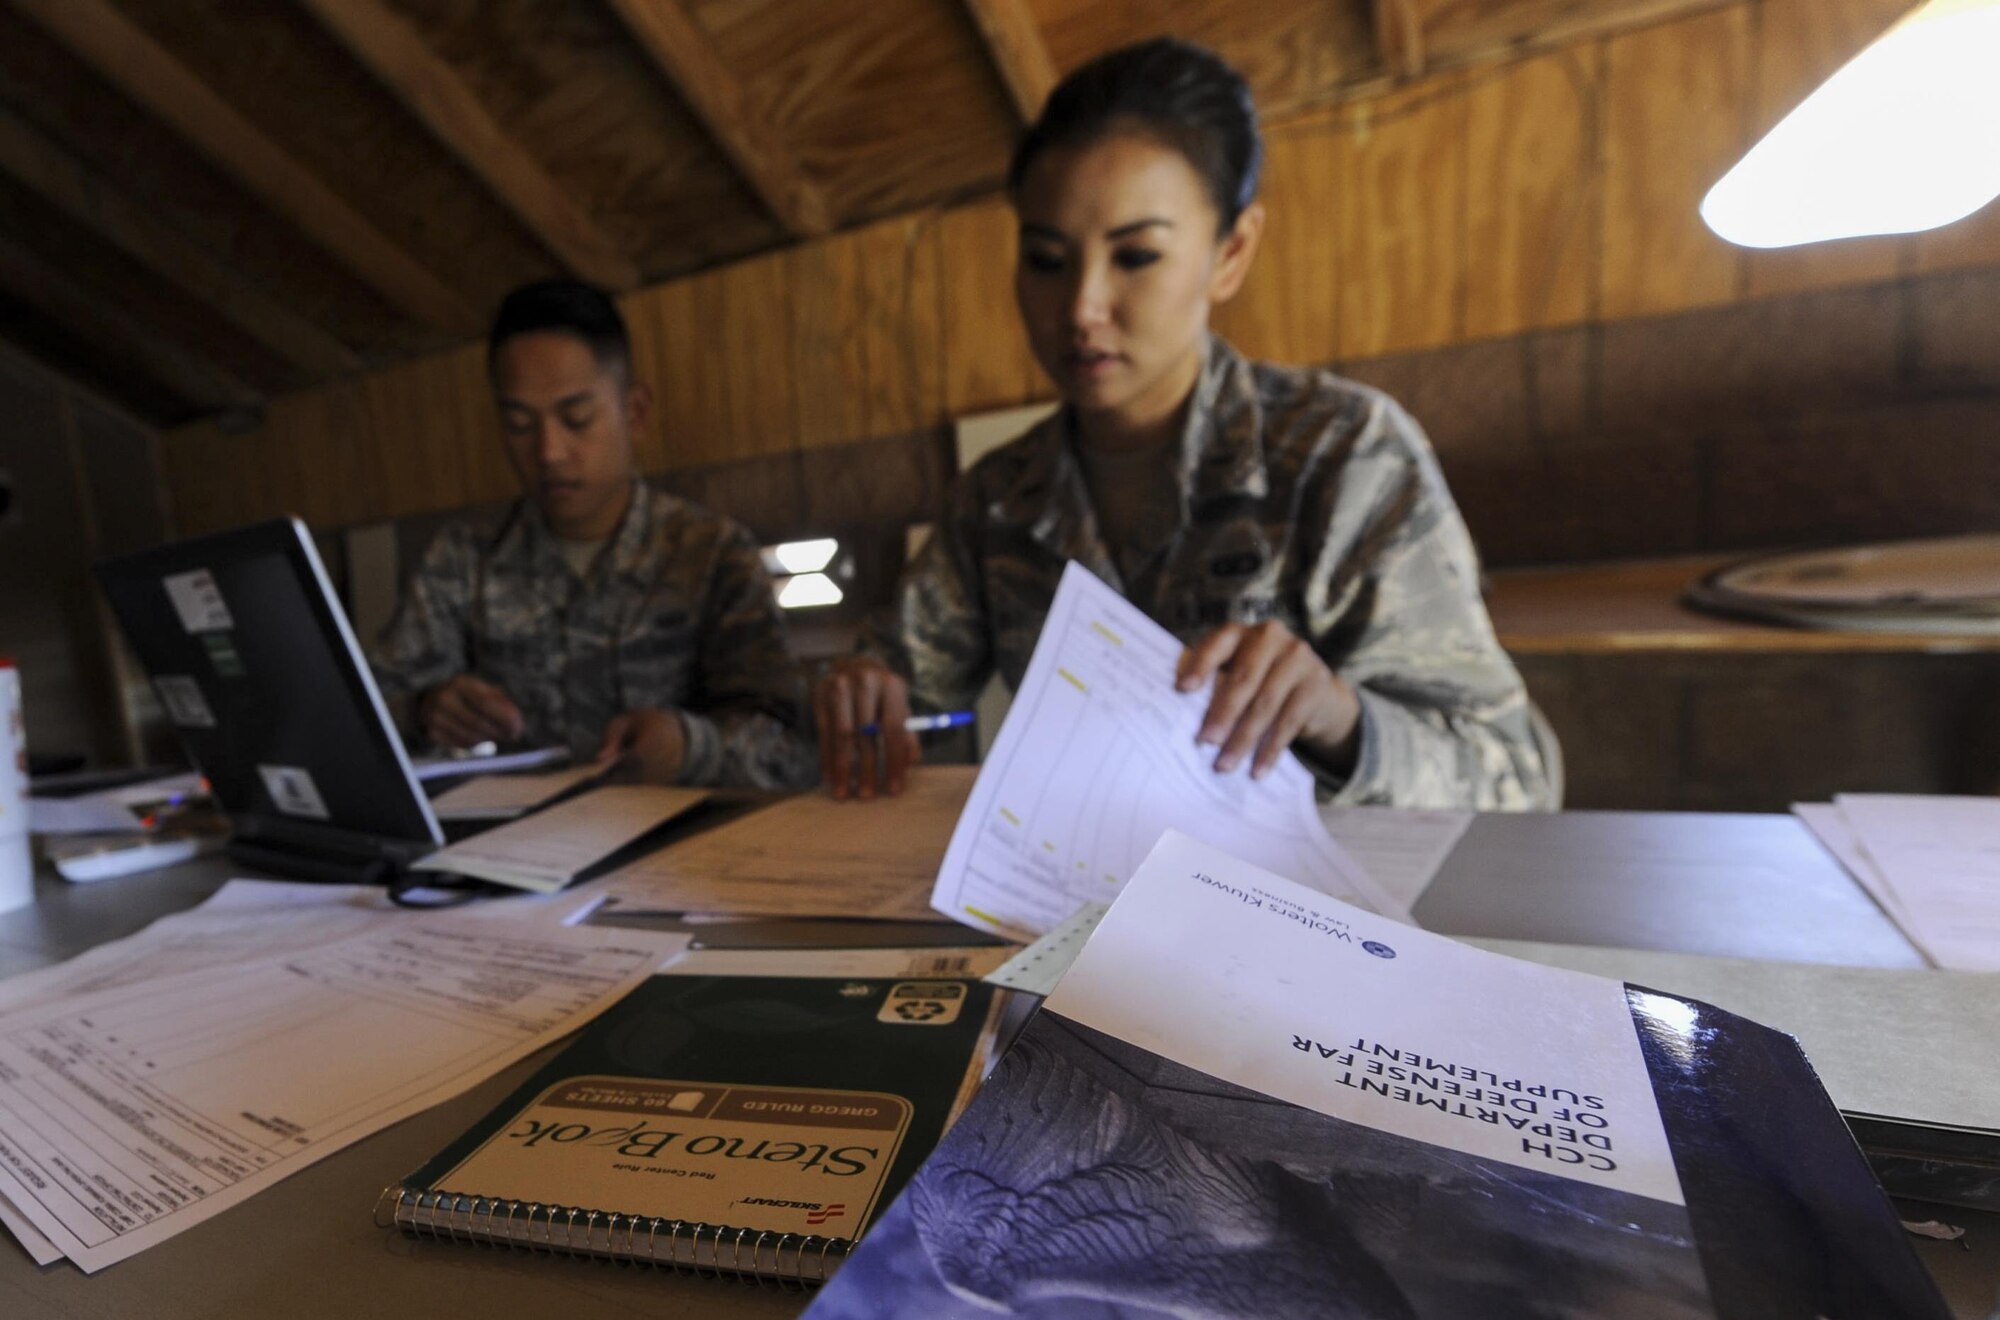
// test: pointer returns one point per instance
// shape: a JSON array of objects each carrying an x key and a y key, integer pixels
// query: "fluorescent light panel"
[
  {"x": 801, "y": 556},
  {"x": 807, "y": 590}
]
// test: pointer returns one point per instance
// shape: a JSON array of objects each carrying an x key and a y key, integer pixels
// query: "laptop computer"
[{"x": 255, "y": 663}]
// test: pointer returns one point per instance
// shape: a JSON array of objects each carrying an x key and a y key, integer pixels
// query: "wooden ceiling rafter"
[
  {"x": 1399, "y": 38},
  {"x": 103, "y": 320},
  {"x": 688, "y": 60},
  {"x": 1414, "y": 37},
  {"x": 130, "y": 60},
  {"x": 432, "y": 91},
  {"x": 73, "y": 189},
  {"x": 1014, "y": 43}
]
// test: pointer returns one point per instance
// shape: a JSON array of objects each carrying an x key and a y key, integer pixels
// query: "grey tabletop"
[
  {"x": 1739, "y": 886},
  {"x": 1747, "y": 886}
]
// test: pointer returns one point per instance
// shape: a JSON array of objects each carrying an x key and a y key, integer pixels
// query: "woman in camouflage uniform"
[{"x": 1290, "y": 526}]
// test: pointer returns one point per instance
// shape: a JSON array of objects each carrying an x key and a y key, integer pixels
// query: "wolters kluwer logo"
[{"x": 1379, "y": 949}]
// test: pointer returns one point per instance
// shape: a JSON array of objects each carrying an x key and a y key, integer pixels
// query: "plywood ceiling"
[{"x": 208, "y": 203}]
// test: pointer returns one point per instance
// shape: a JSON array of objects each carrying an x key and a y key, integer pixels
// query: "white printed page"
[
  {"x": 502, "y": 797},
  {"x": 808, "y": 856},
  {"x": 1939, "y": 858},
  {"x": 1223, "y": 967},
  {"x": 131, "y": 1114},
  {"x": 550, "y": 848},
  {"x": 1097, "y": 758},
  {"x": 245, "y": 921},
  {"x": 1830, "y": 826},
  {"x": 39, "y": 1249},
  {"x": 1036, "y": 969}
]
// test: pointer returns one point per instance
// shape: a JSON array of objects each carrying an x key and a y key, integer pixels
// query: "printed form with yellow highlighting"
[{"x": 1097, "y": 759}]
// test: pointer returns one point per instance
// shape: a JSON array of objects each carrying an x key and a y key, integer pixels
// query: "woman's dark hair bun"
[{"x": 1185, "y": 95}]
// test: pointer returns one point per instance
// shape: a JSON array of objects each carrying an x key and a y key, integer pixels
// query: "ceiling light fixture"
[{"x": 1905, "y": 137}]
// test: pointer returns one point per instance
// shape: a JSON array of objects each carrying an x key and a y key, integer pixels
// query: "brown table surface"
[
  {"x": 1750, "y": 886},
  {"x": 1634, "y": 606}
]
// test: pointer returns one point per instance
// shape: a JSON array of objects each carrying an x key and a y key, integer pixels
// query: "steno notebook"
[
  {"x": 1246, "y": 1100},
  {"x": 748, "y": 1124}
]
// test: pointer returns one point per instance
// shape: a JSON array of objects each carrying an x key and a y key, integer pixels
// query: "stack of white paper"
[
  {"x": 551, "y": 848},
  {"x": 1931, "y": 863},
  {"x": 110, "y": 810},
  {"x": 503, "y": 797},
  {"x": 153, "y": 1084}
]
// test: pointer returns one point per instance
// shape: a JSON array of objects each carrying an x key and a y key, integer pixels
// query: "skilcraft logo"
[{"x": 820, "y": 1216}]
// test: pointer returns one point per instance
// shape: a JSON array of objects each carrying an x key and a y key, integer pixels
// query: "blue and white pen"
[{"x": 951, "y": 719}]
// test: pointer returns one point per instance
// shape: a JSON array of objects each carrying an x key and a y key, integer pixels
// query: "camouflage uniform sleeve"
[
  {"x": 1444, "y": 715},
  {"x": 423, "y": 644},
  {"x": 935, "y": 632},
  {"x": 747, "y": 729}
]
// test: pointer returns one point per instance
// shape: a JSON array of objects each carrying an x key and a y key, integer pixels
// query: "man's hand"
[
  {"x": 859, "y": 691},
  {"x": 467, "y": 711},
  {"x": 1271, "y": 689},
  {"x": 654, "y": 741}
]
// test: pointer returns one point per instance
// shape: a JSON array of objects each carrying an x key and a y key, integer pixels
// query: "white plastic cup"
[{"x": 17, "y": 863}]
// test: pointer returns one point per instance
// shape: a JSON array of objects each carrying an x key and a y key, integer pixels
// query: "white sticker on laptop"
[
  {"x": 198, "y": 601},
  {"x": 293, "y": 792},
  {"x": 186, "y": 707}
]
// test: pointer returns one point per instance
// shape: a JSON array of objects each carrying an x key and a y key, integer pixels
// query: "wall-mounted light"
[
  {"x": 803, "y": 572},
  {"x": 1905, "y": 137},
  {"x": 800, "y": 556},
  {"x": 806, "y": 590}
]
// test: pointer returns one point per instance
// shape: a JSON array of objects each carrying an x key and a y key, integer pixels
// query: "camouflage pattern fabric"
[
  {"x": 1305, "y": 497},
  {"x": 675, "y": 613}
]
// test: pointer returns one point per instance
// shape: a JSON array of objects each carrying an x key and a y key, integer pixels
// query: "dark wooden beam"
[
  {"x": 1418, "y": 36},
  {"x": 1399, "y": 37},
  {"x": 28, "y": 335},
  {"x": 130, "y": 60},
  {"x": 431, "y": 90},
  {"x": 102, "y": 321},
  {"x": 1014, "y": 43},
  {"x": 66, "y": 184},
  {"x": 686, "y": 57}
]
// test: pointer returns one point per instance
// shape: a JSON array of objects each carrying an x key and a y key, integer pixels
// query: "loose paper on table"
[
  {"x": 109, "y": 810},
  {"x": 244, "y": 921},
  {"x": 1036, "y": 969},
  {"x": 1097, "y": 758},
  {"x": 502, "y": 797},
  {"x": 808, "y": 856},
  {"x": 445, "y": 767},
  {"x": 1832, "y": 828},
  {"x": 128, "y": 1115},
  {"x": 1911, "y": 1044},
  {"x": 1938, "y": 858},
  {"x": 551, "y": 848}
]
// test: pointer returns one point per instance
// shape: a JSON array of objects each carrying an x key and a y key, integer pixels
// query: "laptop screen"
[{"x": 257, "y": 668}]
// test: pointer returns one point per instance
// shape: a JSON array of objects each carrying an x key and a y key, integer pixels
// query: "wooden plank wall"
[{"x": 1556, "y": 191}]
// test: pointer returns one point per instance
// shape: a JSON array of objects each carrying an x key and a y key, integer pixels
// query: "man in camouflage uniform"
[
  {"x": 1300, "y": 499},
  {"x": 603, "y": 615}
]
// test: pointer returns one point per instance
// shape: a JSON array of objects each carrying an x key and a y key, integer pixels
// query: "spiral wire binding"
[{"x": 690, "y": 1247}]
